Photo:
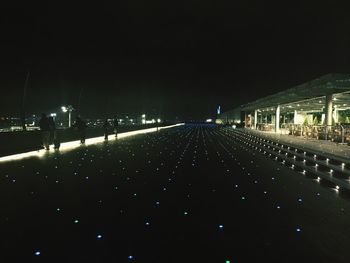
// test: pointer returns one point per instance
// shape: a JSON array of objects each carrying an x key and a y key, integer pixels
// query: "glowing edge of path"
[{"x": 67, "y": 146}]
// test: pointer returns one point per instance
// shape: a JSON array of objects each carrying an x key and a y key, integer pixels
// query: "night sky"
[{"x": 178, "y": 59}]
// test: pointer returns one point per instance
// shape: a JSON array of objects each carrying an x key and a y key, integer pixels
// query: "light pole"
[
  {"x": 68, "y": 108},
  {"x": 53, "y": 115},
  {"x": 158, "y": 121},
  {"x": 23, "y": 112}
]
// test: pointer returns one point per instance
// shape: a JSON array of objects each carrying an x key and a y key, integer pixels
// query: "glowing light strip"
[{"x": 66, "y": 146}]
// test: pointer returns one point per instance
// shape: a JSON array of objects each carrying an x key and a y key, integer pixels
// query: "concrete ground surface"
[{"x": 186, "y": 194}]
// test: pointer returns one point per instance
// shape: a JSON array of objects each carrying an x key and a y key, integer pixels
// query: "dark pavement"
[{"x": 187, "y": 194}]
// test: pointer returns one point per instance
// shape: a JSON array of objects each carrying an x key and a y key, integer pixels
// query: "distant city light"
[
  {"x": 209, "y": 120},
  {"x": 64, "y": 109}
]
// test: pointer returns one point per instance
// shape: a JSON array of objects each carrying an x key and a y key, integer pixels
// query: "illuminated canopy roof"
[{"x": 309, "y": 96}]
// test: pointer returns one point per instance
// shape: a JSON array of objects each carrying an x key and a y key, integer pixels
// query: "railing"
[
  {"x": 337, "y": 133},
  {"x": 265, "y": 127}
]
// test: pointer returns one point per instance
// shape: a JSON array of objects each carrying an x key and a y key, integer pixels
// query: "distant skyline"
[{"x": 179, "y": 59}]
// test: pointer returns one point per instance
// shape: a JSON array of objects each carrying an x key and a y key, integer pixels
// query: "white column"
[
  {"x": 255, "y": 119},
  {"x": 295, "y": 117},
  {"x": 329, "y": 109},
  {"x": 277, "y": 119},
  {"x": 69, "y": 119},
  {"x": 335, "y": 115}
]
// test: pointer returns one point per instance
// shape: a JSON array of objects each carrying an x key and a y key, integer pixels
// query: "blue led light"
[{"x": 37, "y": 253}]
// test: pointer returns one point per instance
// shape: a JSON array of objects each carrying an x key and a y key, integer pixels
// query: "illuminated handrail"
[{"x": 67, "y": 146}]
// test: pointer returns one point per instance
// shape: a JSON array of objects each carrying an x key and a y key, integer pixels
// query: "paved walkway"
[
  {"x": 188, "y": 194},
  {"x": 329, "y": 148}
]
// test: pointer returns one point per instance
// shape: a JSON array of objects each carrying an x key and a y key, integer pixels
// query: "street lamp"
[
  {"x": 143, "y": 118},
  {"x": 53, "y": 115},
  {"x": 68, "y": 109}
]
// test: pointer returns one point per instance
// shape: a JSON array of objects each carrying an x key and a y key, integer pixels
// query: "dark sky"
[{"x": 174, "y": 58}]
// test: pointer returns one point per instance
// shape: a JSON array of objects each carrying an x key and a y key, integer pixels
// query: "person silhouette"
[
  {"x": 115, "y": 126},
  {"x": 45, "y": 129},
  {"x": 53, "y": 133},
  {"x": 81, "y": 127},
  {"x": 106, "y": 127}
]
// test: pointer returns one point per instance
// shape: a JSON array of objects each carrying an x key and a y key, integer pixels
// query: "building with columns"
[{"x": 324, "y": 101}]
